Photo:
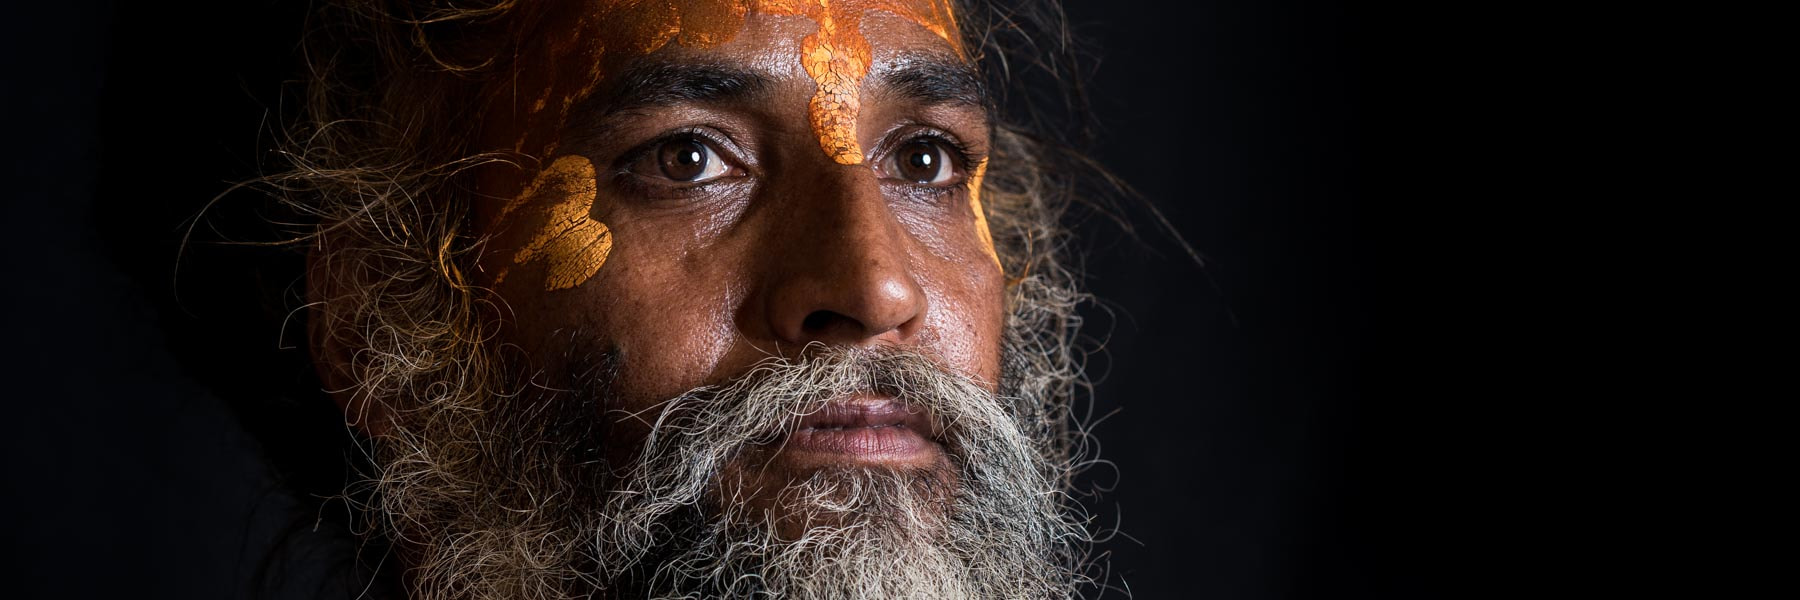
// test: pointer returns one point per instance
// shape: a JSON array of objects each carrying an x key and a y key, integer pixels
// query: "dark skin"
[{"x": 734, "y": 237}]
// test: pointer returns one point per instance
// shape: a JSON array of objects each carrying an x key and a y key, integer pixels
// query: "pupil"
[
  {"x": 921, "y": 164},
  {"x": 921, "y": 160},
  {"x": 684, "y": 160}
]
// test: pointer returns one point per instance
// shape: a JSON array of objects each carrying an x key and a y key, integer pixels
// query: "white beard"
[
  {"x": 992, "y": 529},
  {"x": 539, "y": 515}
]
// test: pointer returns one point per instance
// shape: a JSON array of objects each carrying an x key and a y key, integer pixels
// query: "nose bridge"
[
  {"x": 842, "y": 272},
  {"x": 849, "y": 215}
]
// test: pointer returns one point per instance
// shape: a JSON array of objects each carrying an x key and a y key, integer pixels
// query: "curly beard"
[{"x": 519, "y": 497}]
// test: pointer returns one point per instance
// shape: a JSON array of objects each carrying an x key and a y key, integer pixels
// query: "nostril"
[{"x": 824, "y": 321}]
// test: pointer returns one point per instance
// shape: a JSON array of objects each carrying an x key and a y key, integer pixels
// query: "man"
[{"x": 690, "y": 298}]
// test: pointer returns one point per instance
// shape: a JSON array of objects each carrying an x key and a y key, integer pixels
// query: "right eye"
[{"x": 684, "y": 160}]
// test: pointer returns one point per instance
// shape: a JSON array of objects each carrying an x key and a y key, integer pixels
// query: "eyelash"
[
  {"x": 962, "y": 156},
  {"x": 639, "y": 184},
  {"x": 960, "y": 151}
]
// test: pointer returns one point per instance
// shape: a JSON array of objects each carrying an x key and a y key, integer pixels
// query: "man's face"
[
  {"x": 696, "y": 211},
  {"x": 750, "y": 324}
]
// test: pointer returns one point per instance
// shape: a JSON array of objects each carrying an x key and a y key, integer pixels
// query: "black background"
[{"x": 1254, "y": 454}]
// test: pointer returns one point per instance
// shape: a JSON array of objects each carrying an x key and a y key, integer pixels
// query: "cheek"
[
  {"x": 953, "y": 261},
  {"x": 967, "y": 314},
  {"x": 665, "y": 311},
  {"x": 563, "y": 272},
  {"x": 982, "y": 232}
]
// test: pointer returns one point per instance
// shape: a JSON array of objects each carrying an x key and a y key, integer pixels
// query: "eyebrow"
[
  {"x": 682, "y": 82},
  {"x": 923, "y": 77},
  {"x": 930, "y": 78}
]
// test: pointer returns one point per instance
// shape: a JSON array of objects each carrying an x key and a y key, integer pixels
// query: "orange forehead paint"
[
  {"x": 837, "y": 57},
  {"x": 565, "y": 63}
]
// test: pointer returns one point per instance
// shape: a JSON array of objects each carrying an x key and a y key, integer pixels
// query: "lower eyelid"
[{"x": 659, "y": 188}]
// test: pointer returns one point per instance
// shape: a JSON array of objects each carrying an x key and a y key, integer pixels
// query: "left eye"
[
  {"x": 922, "y": 162},
  {"x": 689, "y": 160}
]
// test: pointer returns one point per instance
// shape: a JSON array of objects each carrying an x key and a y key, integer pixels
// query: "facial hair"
[
  {"x": 679, "y": 527},
  {"x": 535, "y": 511}
]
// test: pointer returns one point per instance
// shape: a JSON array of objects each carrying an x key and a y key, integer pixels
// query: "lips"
[{"x": 863, "y": 429}]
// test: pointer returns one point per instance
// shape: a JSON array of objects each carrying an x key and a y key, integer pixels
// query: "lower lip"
[{"x": 886, "y": 443}]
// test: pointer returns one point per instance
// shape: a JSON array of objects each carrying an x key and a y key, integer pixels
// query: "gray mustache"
[{"x": 763, "y": 404}]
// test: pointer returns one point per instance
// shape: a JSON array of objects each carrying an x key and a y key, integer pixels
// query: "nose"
[{"x": 838, "y": 270}]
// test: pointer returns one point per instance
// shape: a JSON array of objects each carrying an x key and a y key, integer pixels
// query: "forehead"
[
  {"x": 785, "y": 43},
  {"x": 580, "y": 43},
  {"x": 637, "y": 27},
  {"x": 582, "y": 50}
]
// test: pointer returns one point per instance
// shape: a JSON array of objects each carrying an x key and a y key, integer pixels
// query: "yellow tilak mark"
[
  {"x": 837, "y": 57},
  {"x": 981, "y": 224},
  {"x": 570, "y": 243}
]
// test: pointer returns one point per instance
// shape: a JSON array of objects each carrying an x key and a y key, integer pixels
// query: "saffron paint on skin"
[
  {"x": 569, "y": 242},
  {"x": 572, "y": 245},
  {"x": 981, "y": 224},
  {"x": 837, "y": 57}
]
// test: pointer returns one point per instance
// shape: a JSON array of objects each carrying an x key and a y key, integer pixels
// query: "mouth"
[{"x": 863, "y": 429}]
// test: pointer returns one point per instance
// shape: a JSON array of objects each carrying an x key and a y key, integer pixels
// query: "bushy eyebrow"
[
  {"x": 656, "y": 84},
  {"x": 671, "y": 82},
  {"x": 929, "y": 78},
  {"x": 921, "y": 77},
  {"x": 925, "y": 77}
]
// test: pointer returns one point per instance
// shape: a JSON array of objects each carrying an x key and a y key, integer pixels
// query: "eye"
[
  {"x": 687, "y": 160},
  {"x": 923, "y": 162}
]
